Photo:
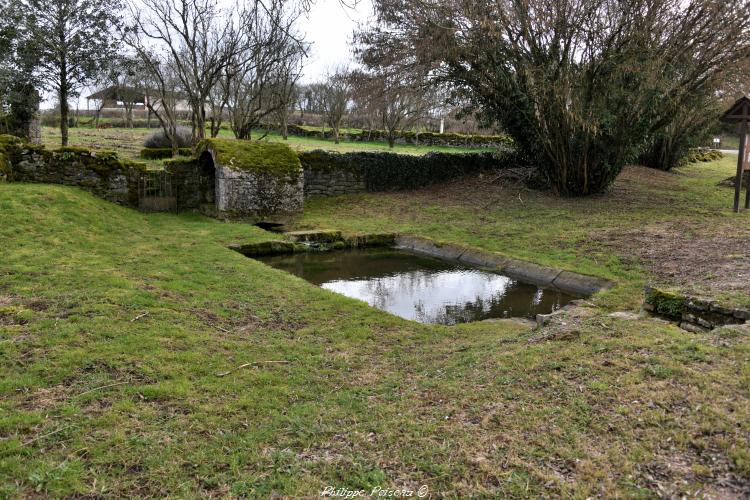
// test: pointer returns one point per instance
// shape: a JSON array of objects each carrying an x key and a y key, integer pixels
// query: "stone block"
[
  {"x": 529, "y": 272},
  {"x": 690, "y": 327},
  {"x": 482, "y": 258},
  {"x": 579, "y": 283},
  {"x": 430, "y": 247}
]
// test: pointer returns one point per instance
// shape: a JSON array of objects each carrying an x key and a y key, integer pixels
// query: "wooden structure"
[{"x": 740, "y": 113}]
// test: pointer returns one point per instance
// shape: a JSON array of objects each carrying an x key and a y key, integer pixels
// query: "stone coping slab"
[{"x": 566, "y": 281}]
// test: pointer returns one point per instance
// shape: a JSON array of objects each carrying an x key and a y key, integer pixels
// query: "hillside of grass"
[{"x": 141, "y": 357}]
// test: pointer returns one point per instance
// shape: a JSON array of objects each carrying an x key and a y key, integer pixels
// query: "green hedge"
[
  {"x": 162, "y": 153},
  {"x": 390, "y": 171},
  {"x": 431, "y": 138}
]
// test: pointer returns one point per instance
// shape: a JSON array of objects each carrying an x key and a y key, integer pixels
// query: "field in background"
[{"x": 129, "y": 142}]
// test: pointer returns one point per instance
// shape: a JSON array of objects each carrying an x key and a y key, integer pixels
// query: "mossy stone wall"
[
  {"x": 691, "y": 313},
  {"x": 101, "y": 173}
]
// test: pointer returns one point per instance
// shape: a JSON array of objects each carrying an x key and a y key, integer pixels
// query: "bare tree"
[
  {"x": 336, "y": 96},
  {"x": 270, "y": 42},
  {"x": 160, "y": 85},
  {"x": 196, "y": 37},
  {"x": 286, "y": 91},
  {"x": 123, "y": 76},
  {"x": 395, "y": 103},
  {"x": 218, "y": 100}
]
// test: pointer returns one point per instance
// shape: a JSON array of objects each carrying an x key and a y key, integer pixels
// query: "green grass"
[
  {"x": 129, "y": 142},
  {"x": 114, "y": 326}
]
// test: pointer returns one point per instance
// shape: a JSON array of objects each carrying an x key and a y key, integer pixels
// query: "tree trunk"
[
  {"x": 64, "y": 110},
  {"x": 391, "y": 140},
  {"x": 173, "y": 140},
  {"x": 284, "y": 127},
  {"x": 336, "y": 135}
]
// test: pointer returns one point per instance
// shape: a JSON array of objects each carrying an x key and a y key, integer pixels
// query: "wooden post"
[{"x": 741, "y": 158}]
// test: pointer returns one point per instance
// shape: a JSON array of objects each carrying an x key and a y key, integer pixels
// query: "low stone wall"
[
  {"x": 692, "y": 314},
  {"x": 332, "y": 183},
  {"x": 329, "y": 173},
  {"x": 102, "y": 173}
]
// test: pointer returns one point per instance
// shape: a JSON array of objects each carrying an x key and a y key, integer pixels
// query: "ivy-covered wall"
[{"x": 329, "y": 174}]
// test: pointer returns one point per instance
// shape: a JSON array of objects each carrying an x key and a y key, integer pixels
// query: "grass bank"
[{"x": 143, "y": 358}]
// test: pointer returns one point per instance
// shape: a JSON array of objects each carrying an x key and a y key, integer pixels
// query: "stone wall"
[
  {"x": 691, "y": 313},
  {"x": 246, "y": 192},
  {"x": 330, "y": 173},
  {"x": 103, "y": 174},
  {"x": 407, "y": 137},
  {"x": 190, "y": 185},
  {"x": 332, "y": 183}
]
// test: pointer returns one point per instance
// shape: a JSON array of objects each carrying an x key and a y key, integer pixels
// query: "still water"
[{"x": 421, "y": 288}]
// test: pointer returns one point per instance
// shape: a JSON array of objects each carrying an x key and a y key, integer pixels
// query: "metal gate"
[{"x": 155, "y": 192}]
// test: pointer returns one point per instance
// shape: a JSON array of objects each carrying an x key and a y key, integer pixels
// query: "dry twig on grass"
[{"x": 245, "y": 365}]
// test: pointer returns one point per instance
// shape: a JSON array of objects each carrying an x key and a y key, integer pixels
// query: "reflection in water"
[{"x": 421, "y": 288}]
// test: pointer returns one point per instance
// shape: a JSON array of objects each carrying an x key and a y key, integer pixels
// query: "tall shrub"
[{"x": 580, "y": 85}]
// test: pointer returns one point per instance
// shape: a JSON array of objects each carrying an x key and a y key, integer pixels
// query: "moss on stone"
[
  {"x": 329, "y": 161},
  {"x": 667, "y": 303},
  {"x": 9, "y": 140},
  {"x": 278, "y": 160},
  {"x": 102, "y": 162},
  {"x": 370, "y": 240},
  {"x": 315, "y": 236},
  {"x": 265, "y": 248}
]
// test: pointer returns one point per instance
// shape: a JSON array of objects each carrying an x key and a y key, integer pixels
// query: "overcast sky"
[{"x": 329, "y": 28}]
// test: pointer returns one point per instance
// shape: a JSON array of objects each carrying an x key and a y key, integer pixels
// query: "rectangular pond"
[{"x": 419, "y": 287}]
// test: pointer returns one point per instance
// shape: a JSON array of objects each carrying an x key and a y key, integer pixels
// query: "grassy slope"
[{"x": 363, "y": 398}]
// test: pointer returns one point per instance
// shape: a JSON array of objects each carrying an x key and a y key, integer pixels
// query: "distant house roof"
[{"x": 121, "y": 93}]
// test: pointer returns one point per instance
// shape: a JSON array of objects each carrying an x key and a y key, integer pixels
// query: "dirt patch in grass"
[{"x": 701, "y": 258}]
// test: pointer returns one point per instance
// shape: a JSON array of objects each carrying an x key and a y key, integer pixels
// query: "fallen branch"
[
  {"x": 103, "y": 387},
  {"x": 224, "y": 374},
  {"x": 47, "y": 435},
  {"x": 139, "y": 317}
]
